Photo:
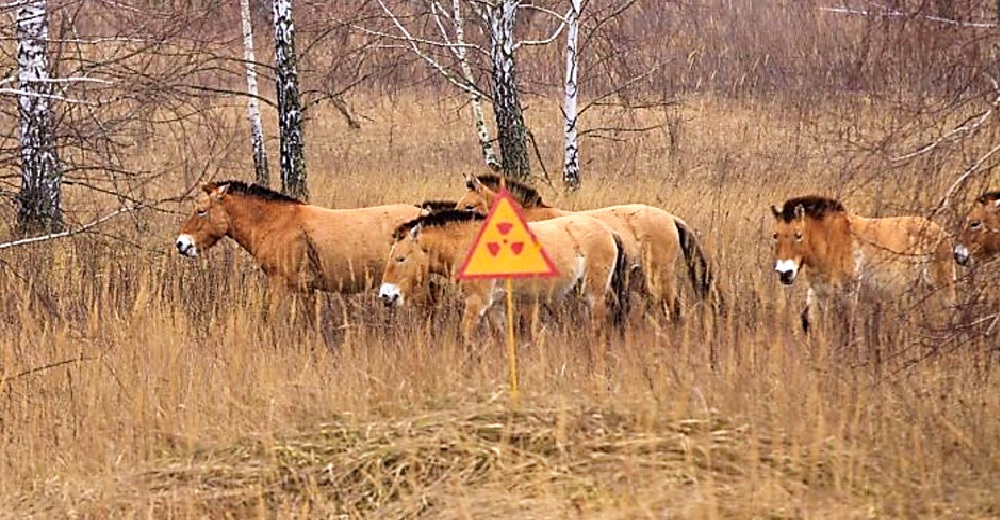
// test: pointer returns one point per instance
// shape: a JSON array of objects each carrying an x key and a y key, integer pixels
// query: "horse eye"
[
  {"x": 202, "y": 212},
  {"x": 975, "y": 224},
  {"x": 400, "y": 259},
  {"x": 798, "y": 236},
  {"x": 470, "y": 207},
  {"x": 774, "y": 236}
]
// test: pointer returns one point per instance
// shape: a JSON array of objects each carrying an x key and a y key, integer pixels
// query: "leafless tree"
[
  {"x": 293, "y": 167},
  {"x": 253, "y": 95},
  {"x": 39, "y": 206}
]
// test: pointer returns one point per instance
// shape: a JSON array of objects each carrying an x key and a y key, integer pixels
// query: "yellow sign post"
[{"x": 506, "y": 248}]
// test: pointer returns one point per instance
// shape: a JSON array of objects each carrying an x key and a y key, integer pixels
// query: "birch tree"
[
  {"x": 571, "y": 160},
  {"x": 39, "y": 204},
  {"x": 293, "y": 167},
  {"x": 253, "y": 96},
  {"x": 512, "y": 135}
]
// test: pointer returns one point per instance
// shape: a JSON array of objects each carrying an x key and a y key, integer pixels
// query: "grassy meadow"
[{"x": 137, "y": 383}]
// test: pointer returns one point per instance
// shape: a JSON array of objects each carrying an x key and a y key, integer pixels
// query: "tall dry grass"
[{"x": 138, "y": 383}]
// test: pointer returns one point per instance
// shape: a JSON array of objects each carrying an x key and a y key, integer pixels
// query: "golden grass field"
[{"x": 140, "y": 384}]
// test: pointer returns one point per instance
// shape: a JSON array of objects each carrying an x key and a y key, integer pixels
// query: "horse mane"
[
  {"x": 438, "y": 218},
  {"x": 253, "y": 190},
  {"x": 525, "y": 195},
  {"x": 989, "y": 196},
  {"x": 815, "y": 207},
  {"x": 437, "y": 204}
]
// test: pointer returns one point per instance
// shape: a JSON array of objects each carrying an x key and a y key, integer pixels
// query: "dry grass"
[{"x": 139, "y": 384}]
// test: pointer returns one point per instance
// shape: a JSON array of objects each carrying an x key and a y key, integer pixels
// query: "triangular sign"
[{"x": 505, "y": 246}]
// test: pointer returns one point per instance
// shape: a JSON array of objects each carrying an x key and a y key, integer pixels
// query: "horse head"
[
  {"x": 980, "y": 233},
  {"x": 477, "y": 196},
  {"x": 207, "y": 224},
  {"x": 406, "y": 269},
  {"x": 789, "y": 242}
]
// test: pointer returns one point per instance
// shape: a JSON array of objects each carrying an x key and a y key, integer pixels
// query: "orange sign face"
[{"x": 505, "y": 246}]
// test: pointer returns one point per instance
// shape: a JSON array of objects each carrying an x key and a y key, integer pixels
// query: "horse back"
[
  {"x": 900, "y": 250},
  {"x": 348, "y": 247},
  {"x": 576, "y": 244},
  {"x": 639, "y": 224}
]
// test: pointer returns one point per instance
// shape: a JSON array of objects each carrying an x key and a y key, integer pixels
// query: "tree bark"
[
  {"x": 293, "y": 167},
  {"x": 253, "y": 106},
  {"x": 475, "y": 99},
  {"x": 511, "y": 132},
  {"x": 571, "y": 160},
  {"x": 39, "y": 204}
]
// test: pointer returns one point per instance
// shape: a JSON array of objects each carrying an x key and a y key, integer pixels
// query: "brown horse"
[
  {"x": 835, "y": 250},
  {"x": 586, "y": 254},
  {"x": 301, "y": 247},
  {"x": 980, "y": 233},
  {"x": 653, "y": 239}
]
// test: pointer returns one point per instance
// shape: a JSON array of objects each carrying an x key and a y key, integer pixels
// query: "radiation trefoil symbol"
[{"x": 505, "y": 246}]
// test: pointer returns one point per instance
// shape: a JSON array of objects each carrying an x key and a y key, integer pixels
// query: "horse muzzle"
[
  {"x": 186, "y": 246},
  {"x": 786, "y": 270},
  {"x": 390, "y": 295},
  {"x": 962, "y": 256}
]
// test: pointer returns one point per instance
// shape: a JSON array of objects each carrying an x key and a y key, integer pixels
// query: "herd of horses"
[{"x": 602, "y": 255}]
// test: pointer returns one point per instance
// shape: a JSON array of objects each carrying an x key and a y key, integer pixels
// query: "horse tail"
[
  {"x": 619, "y": 284},
  {"x": 694, "y": 256}
]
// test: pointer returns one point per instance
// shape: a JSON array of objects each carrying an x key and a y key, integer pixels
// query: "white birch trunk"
[
  {"x": 571, "y": 162},
  {"x": 475, "y": 99},
  {"x": 253, "y": 94},
  {"x": 293, "y": 168},
  {"x": 511, "y": 132},
  {"x": 41, "y": 176}
]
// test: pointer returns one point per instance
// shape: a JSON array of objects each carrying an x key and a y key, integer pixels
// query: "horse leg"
[{"x": 477, "y": 303}]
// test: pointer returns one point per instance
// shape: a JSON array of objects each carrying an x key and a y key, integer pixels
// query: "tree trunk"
[
  {"x": 511, "y": 132},
  {"x": 39, "y": 208},
  {"x": 476, "y": 100},
  {"x": 293, "y": 167},
  {"x": 253, "y": 106},
  {"x": 571, "y": 162}
]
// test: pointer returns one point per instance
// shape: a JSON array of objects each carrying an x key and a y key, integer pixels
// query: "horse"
[
  {"x": 836, "y": 250},
  {"x": 653, "y": 238},
  {"x": 586, "y": 253},
  {"x": 302, "y": 248},
  {"x": 980, "y": 233}
]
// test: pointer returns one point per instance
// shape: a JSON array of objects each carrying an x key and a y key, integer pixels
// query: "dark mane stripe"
[
  {"x": 815, "y": 207},
  {"x": 989, "y": 196},
  {"x": 437, "y": 219},
  {"x": 526, "y": 196},
  {"x": 437, "y": 204},
  {"x": 254, "y": 190}
]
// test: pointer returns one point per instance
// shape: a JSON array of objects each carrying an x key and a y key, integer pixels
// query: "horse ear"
[
  {"x": 776, "y": 212},
  {"x": 799, "y": 212},
  {"x": 220, "y": 190},
  {"x": 415, "y": 230},
  {"x": 472, "y": 183}
]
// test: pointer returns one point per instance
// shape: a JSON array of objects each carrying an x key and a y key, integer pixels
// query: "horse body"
[
  {"x": 980, "y": 235},
  {"x": 652, "y": 238},
  {"x": 585, "y": 252},
  {"x": 300, "y": 247},
  {"x": 838, "y": 252}
]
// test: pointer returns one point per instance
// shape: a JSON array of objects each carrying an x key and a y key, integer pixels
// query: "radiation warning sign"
[{"x": 505, "y": 246}]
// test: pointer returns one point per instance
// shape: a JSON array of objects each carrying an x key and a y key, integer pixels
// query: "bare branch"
[
  {"x": 889, "y": 13},
  {"x": 70, "y": 232}
]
